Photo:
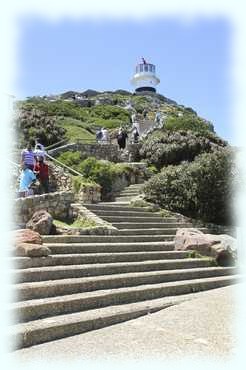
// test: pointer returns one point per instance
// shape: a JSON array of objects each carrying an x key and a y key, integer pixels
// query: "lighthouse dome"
[{"x": 145, "y": 78}]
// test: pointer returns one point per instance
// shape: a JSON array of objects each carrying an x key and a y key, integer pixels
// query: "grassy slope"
[
  {"x": 80, "y": 122},
  {"x": 75, "y": 129}
]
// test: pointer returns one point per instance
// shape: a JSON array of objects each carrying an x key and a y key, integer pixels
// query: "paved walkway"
[{"x": 203, "y": 325}]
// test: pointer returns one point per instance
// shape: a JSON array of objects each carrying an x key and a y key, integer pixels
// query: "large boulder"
[
  {"x": 224, "y": 250},
  {"x": 27, "y": 236},
  {"x": 31, "y": 250},
  {"x": 41, "y": 222},
  {"x": 221, "y": 247}
]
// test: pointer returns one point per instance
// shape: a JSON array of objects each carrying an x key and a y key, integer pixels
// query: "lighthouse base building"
[{"x": 145, "y": 79}]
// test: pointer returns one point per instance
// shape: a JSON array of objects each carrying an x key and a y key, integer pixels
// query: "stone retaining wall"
[
  {"x": 109, "y": 152},
  {"x": 58, "y": 204},
  {"x": 59, "y": 178}
]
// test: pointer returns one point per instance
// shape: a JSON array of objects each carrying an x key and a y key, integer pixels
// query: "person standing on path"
[
  {"x": 105, "y": 138},
  {"x": 42, "y": 171},
  {"x": 135, "y": 135},
  {"x": 27, "y": 157},
  {"x": 27, "y": 179},
  {"x": 121, "y": 138},
  {"x": 158, "y": 117},
  {"x": 39, "y": 151},
  {"x": 145, "y": 112},
  {"x": 99, "y": 136}
]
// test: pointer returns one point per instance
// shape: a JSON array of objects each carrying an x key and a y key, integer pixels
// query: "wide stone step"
[
  {"x": 77, "y": 259},
  {"x": 76, "y": 271},
  {"x": 149, "y": 225},
  {"x": 129, "y": 193},
  {"x": 125, "y": 198},
  {"x": 61, "y": 326},
  {"x": 123, "y": 236},
  {"x": 36, "y": 290},
  {"x": 171, "y": 231},
  {"x": 115, "y": 207},
  {"x": 109, "y": 247},
  {"x": 127, "y": 213},
  {"x": 149, "y": 219},
  {"x": 166, "y": 234},
  {"x": 41, "y": 308}
]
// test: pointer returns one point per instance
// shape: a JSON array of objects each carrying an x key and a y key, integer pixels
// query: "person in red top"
[{"x": 42, "y": 171}]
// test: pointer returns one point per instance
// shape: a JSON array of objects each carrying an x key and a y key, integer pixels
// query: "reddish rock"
[
  {"x": 221, "y": 247},
  {"x": 31, "y": 250},
  {"x": 27, "y": 236},
  {"x": 41, "y": 222}
]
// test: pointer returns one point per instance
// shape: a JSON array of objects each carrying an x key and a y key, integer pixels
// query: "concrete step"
[
  {"x": 52, "y": 288},
  {"x": 57, "y": 248},
  {"x": 77, "y": 271},
  {"x": 124, "y": 236},
  {"x": 149, "y": 225},
  {"x": 40, "y": 308},
  {"x": 77, "y": 259},
  {"x": 170, "y": 232},
  {"x": 144, "y": 219},
  {"x": 115, "y": 207},
  {"x": 125, "y": 199},
  {"x": 129, "y": 193},
  {"x": 167, "y": 234},
  {"x": 127, "y": 213},
  {"x": 57, "y": 327}
]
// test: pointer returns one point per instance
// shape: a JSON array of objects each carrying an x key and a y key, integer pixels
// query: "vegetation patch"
[
  {"x": 101, "y": 172},
  {"x": 79, "y": 223},
  {"x": 163, "y": 148},
  {"x": 200, "y": 189}
]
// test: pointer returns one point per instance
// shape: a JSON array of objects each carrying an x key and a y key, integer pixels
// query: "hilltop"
[
  {"x": 192, "y": 167},
  {"x": 74, "y": 115}
]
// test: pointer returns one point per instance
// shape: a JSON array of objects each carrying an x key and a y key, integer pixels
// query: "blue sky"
[{"x": 192, "y": 60}]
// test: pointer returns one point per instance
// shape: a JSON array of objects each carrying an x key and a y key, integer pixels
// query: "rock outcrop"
[
  {"x": 221, "y": 247},
  {"x": 28, "y": 243},
  {"x": 41, "y": 222},
  {"x": 27, "y": 236},
  {"x": 31, "y": 250}
]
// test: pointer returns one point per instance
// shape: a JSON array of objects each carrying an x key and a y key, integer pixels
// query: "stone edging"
[{"x": 102, "y": 227}]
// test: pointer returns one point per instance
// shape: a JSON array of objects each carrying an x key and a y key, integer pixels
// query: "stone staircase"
[{"x": 93, "y": 281}]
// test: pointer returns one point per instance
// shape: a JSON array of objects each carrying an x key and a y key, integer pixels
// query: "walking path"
[
  {"x": 93, "y": 281},
  {"x": 201, "y": 326}
]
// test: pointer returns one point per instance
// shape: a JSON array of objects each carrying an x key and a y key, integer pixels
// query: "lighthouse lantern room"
[{"x": 145, "y": 78}]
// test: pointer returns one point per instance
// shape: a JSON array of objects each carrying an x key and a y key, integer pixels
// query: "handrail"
[
  {"x": 15, "y": 164},
  {"x": 64, "y": 165},
  {"x": 52, "y": 146}
]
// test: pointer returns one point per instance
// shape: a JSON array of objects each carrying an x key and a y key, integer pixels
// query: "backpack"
[{"x": 99, "y": 135}]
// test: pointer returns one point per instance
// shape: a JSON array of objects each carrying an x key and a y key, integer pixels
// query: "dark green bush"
[
  {"x": 101, "y": 172},
  {"x": 33, "y": 123},
  {"x": 173, "y": 147},
  {"x": 103, "y": 115},
  {"x": 71, "y": 159},
  {"x": 201, "y": 189},
  {"x": 188, "y": 122}
]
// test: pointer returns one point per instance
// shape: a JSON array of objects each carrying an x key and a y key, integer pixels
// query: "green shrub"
[
  {"x": 95, "y": 171},
  {"x": 33, "y": 123},
  {"x": 71, "y": 159},
  {"x": 173, "y": 147},
  {"x": 102, "y": 172},
  {"x": 188, "y": 122},
  {"x": 81, "y": 182},
  {"x": 201, "y": 189}
]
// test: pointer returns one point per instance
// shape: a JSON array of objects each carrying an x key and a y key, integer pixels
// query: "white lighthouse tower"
[{"x": 145, "y": 78}]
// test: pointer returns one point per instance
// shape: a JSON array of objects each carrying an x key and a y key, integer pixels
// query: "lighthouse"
[{"x": 145, "y": 78}]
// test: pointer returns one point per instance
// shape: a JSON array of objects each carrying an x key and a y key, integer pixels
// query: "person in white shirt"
[
  {"x": 37, "y": 143},
  {"x": 104, "y": 139},
  {"x": 39, "y": 151}
]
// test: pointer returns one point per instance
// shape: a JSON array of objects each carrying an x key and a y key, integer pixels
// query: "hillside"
[{"x": 77, "y": 116}]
